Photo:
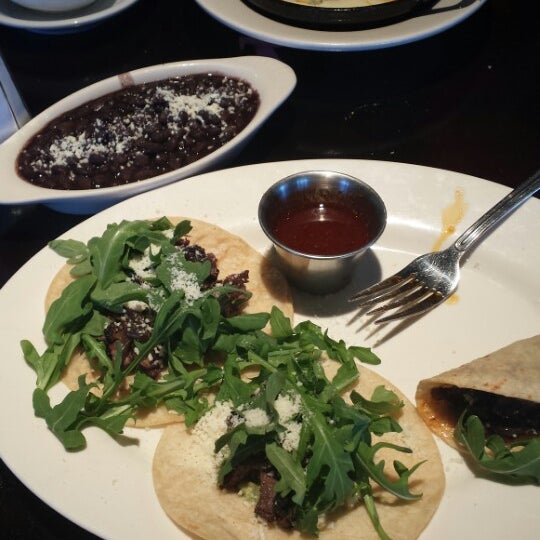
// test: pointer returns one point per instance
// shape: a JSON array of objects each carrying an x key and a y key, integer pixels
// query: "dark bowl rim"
[{"x": 324, "y": 16}]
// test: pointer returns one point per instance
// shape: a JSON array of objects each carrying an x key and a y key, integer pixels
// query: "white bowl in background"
[
  {"x": 272, "y": 79},
  {"x": 53, "y": 5},
  {"x": 60, "y": 22}
]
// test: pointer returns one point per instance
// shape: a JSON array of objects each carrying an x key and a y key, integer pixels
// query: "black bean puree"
[
  {"x": 506, "y": 416},
  {"x": 138, "y": 132}
]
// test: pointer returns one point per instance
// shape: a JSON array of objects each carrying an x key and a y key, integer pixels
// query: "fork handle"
[{"x": 498, "y": 212}]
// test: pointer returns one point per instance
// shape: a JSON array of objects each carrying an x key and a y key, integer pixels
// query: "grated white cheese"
[
  {"x": 136, "y": 305},
  {"x": 287, "y": 406},
  {"x": 290, "y": 439},
  {"x": 255, "y": 417},
  {"x": 209, "y": 429},
  {"x": 188, "y": 283},
  {"x": 184, "y": 281},
  {"x": 155, "y": 298},
  {"x": 191, "y": 105},
  {"x": 142, "y": 265},
  {"x": 80, "y": 147}
]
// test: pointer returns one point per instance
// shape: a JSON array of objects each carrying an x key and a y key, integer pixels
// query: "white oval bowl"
[{"x": 273, "y": 80}]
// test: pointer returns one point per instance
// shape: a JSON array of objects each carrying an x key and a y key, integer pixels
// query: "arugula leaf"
[
  {"x": 371, "y": 509},
  {"x": 400, "y": 487},
  {"x": 182, "y": 228},
  {"x": 67, "y": 419},
  {"x": 279, "y": 324},
  {"x": 163, "y": 223},
  {"x": 311, "y": 335},
  {"x": 61, "y": 418},
  {"x": 365, "y": 355},
  {"x": 51, "y": 363},
  {"x": 112, "y": 420},
  {"x": 148, "y": 393},
  {"x": 248, "y": 321},
  {"x": 347, "y": 374},
  {"x": 107, "y": 250},
  {"x": 116, "y": 295},
  {"x": 70, "y": 310},
  {"x": 292, "y": 475},
  {"x": 111, "y": 372},
  {"x": 210, "y": 319},
  {"x": 518, "y": 460},
  {"x": 233, "y": 388},
  {"x": 329, "y": 463},
  {"x": 383, "y": 401},
  {"x": 73, "y": 250}
]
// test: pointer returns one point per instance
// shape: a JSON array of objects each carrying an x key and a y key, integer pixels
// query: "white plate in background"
[
  {"x": 239, "y": 16},
  {"x": 498, "y": 301}
]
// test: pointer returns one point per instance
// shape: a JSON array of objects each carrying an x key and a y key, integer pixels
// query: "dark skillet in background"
[{"x": 326, "y": 17}]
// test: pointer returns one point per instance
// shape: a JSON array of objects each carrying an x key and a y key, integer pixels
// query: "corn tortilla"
[{"x": 185, "y": 484}]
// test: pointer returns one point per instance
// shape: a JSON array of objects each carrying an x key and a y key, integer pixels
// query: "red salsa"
[{"x": 324, "y": 228}]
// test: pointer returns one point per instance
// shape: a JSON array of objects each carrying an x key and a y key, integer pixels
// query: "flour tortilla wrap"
[
  {"x": 512, "y": 372},
  {"x": 185, "y": 483},
  {"x": 266, "y": 283}
]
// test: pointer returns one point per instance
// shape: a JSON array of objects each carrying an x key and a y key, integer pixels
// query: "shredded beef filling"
[
  {"x": 122, "y": 333},
  {"x": 270, "y": 506},
  {"x": 231, "y": 303},
  {"x": 509, "y": 417}
]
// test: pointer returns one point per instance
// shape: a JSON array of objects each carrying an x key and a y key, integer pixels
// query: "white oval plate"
[
  {"x": 240, "y": 17},
  {"x": 273, "y": 80},
  {"x": 498, "y": 302},
  {"x": 56, "y": 23}
]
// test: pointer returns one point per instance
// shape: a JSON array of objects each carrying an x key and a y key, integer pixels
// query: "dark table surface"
[{"x": 467, "y": 100}]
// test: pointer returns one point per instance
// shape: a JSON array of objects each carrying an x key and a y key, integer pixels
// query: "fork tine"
[
  {"x": 417, "y": 293},
  {"x": 432, "y": 299},
  {"x": 384, "y": 288}
]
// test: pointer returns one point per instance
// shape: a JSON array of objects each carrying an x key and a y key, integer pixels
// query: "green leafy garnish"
[
  {"x": 518, "y": 461},
  {"x": 332, "y": 462}
]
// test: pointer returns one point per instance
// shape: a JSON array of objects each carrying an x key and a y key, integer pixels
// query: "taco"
[
  {"x": 234, "y": 263},
  {"x": 186, "y": 478},
  {"x": 502, "y": 389}
]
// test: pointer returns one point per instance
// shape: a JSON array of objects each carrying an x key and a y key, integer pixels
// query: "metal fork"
[{"x": 431, "y": 278}]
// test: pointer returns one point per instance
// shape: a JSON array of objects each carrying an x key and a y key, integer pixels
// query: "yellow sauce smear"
[{"x": 451, "y": 216}]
